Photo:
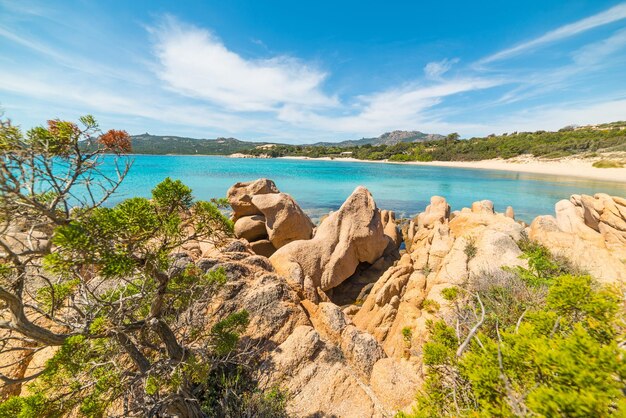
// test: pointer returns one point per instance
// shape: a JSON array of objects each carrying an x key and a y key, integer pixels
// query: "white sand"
[{"x": 568, "y": 167}]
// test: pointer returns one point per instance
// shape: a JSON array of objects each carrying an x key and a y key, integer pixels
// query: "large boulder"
[
  {"x": 240, "y": 196},
  {"x": 330, "y": 368},
  {"x": 443, "y": 252},
  {"x": 314, "y": 352},
  {"x": 265, "y": 217},
  {"x": 437, "y": 211},
  {"x": 349, "y": 236},
  {"x": 285, "y": 220},
  {"x": 251, "y": 228},
  {"x": 590, "y": 231},
  {"x": 391, "y": 229}
]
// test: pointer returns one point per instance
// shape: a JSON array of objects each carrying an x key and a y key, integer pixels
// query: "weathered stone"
[
  {"x": 437, "y": 211},
  {"x": 482, "y": 206},
  {"x": 251, "y": 228},
  {"x": 285, "y": 221},
  {"x": 349, "y": 236},
  {"x": 240, "y": 196},
  {"x": 391, "y": 229},
  {"x": 263, "y": 247}
]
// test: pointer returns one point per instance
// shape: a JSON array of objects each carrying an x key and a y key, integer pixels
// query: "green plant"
[
  {"x": 470, "y": 249},
  {"x": 407, "y": 334},
  {"x": 558, "y": 357},
  {"x": 430, "y": 306},
  {"x": 608, "y": 164},
  {"x": 116, "y": 299},
  {"x": 450, "y": 293},
  {"x": 426, "y": 270}
]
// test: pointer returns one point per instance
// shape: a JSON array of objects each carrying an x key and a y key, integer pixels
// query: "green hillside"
[{"x": 565, "y": 142}]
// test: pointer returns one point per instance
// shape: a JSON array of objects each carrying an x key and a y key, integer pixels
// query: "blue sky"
[{"x": 297, "y": 71}]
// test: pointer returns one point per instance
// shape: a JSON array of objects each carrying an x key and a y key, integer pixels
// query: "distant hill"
[
  {"x": 154, "y": 144},
  {"x": 389, "y": 138},
  {"x": 160, "y": 145},
  {"x": 167, "y": 144}
]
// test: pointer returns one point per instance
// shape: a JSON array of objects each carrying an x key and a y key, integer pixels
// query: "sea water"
[{"x": 322, "y": 186}]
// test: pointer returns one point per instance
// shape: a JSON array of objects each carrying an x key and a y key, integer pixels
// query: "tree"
[
  {"x": 453, "y": 137},
  {"x": 98, "y": 284}
]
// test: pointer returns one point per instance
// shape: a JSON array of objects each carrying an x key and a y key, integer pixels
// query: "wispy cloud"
[
  {"x": 196, "y": 63},
  {"x": 435, "y": 69},
  {"x": 398, "y": 108},
  {"x": 611, "y": 15}
]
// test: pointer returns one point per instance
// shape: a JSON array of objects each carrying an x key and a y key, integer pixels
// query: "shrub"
[
  {"x": 470, "y": 249},
  {"x": 608, "y": 164},
  {"x": 430, "y": 306},
  {"x": 450, "y": 293},
  {"x": 559, "y": 357}
]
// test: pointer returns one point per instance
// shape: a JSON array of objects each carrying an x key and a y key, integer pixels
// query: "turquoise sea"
[{"x": 322, "y": 186}]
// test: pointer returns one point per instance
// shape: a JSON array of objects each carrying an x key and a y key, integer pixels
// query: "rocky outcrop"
[
  {"x": 265, "y": 217},
  {"x": 240, "y": 196},
  {"x": 443, "y": 250},
  {"x": 284, "y": 220},
  {"x": 313, "y": 351},
  {"x": 334, "y": 369},
  {"x": 590, "y": 231},
  {"x": 251, "y": 228},
  {"x": 354, "y": 234}
]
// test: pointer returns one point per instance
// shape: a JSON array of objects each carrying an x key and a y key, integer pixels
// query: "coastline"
[{"x": 567, "y": 167}]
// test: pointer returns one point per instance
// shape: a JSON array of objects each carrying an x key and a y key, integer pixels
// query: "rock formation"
[
  {"x": 444, "y": 250},
  {"x": 354, "y": 234},
  {"x": 364, "y": 359},
  {"x": 265, "y": 217},
  {"x": 590, "y": 231}
]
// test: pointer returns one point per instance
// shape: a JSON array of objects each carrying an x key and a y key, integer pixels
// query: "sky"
[{"x": 302, "y": 71}]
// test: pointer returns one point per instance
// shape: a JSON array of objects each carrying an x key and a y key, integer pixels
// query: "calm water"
[{"x": 321, "y": 186}]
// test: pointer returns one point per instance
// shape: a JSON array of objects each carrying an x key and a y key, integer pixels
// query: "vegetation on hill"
[
  {"x": 565, "y": 142},
  {"x": 177, "y": 145},
  {"x": 98, "y": 289},
  {"x": 161, "y": 145},
  {"x": 543, "y": 341}
]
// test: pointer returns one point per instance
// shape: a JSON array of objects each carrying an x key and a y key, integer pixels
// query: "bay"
[{"x": 321, "y": 186}]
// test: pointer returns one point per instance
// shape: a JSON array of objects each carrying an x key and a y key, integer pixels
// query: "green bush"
[
  {"x": 608, "y": 164},
  {"x": 549, "y": 348},
  {"x": 430, "y": 306}
]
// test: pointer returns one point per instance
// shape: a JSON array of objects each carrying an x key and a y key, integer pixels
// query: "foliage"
[
  {"x": 450, "y": 293},
  {"x": 430, "y": 306},
  {"x": 608, "y": 164},
  {"x": 115, "y": 297},
  {"x": 165, "y": 145},
  {"x": 470, "y": 249},
  {"x": 539, "y": 144},
  {"x": 549, "y": 348}
]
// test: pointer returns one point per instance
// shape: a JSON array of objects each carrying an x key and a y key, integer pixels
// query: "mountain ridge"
[{"x": 180, "y": 145}]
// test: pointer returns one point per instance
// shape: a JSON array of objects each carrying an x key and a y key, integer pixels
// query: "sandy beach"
[{"x": 568, "y": 167}]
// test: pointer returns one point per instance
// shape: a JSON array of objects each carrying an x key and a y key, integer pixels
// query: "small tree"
[
  {"x": 453, "y": 137},
  {"x": 98, "y": 283}
]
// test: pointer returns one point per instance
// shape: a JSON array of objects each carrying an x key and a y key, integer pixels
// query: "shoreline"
[{"x": 567, "y": 167}]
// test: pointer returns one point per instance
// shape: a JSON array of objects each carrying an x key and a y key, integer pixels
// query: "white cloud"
[
  {"x": 195, "y": 63},
  {"x": 611, "y": 15},
  {"x": 435, "y": 69},
  {"x": 595, "y": 52},
  {"x": 586, "y": 60},
  {"x": 398, "y": 108}
]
